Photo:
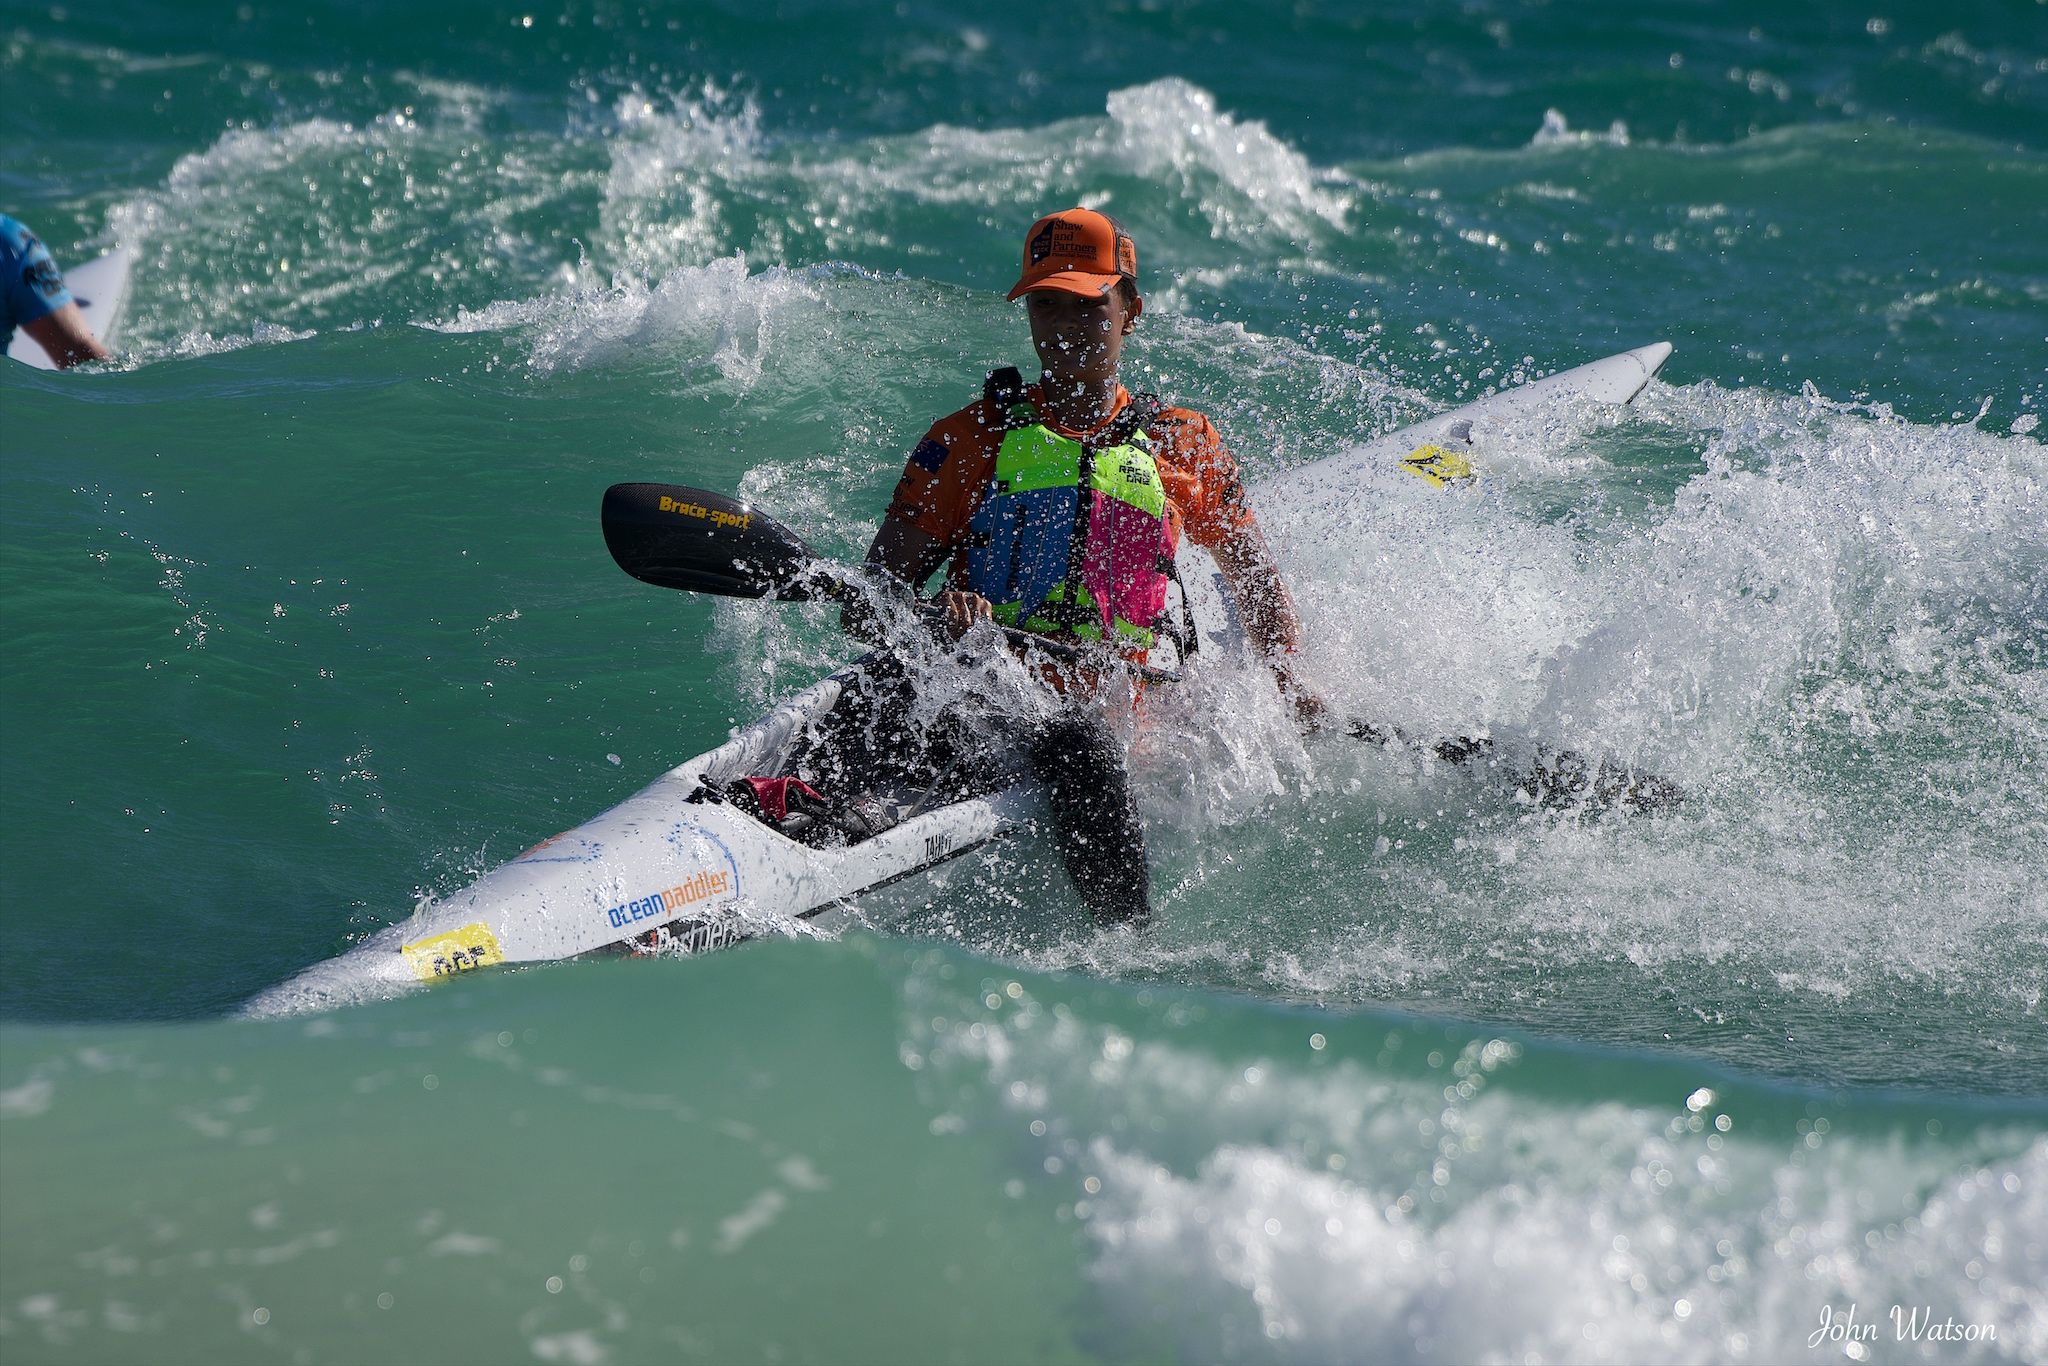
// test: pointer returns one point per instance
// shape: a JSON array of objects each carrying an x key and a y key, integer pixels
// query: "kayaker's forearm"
[
  {"x": 903, "y": 551},
  {"x": 1262, "y": 597}
]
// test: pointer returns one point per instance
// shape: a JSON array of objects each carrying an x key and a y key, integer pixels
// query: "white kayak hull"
[{"x": 708, "y": 874}]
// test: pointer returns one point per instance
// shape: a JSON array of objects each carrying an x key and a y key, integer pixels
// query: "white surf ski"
[{"x": 675, "y": 868}]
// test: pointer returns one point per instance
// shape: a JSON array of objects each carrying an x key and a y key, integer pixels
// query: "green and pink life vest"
[{"x": 1073, "y": 537}]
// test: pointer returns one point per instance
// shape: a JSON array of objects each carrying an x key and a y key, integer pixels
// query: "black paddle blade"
[{"x": 677, "y": 537}]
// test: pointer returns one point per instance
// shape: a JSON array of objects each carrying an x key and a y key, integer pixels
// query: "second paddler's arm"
[{"x": 65, "y": 337}]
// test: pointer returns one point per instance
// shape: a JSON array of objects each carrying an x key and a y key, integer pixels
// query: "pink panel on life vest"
[{"x": 1120, "y": 567}]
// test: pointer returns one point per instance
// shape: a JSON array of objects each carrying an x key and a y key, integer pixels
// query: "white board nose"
[
  {"x": 1653, "y": 357},
  {"x": 1617, "y": 379}
]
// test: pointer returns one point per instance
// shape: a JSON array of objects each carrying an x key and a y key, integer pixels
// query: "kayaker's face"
[{"x": 1079, "y": 338}]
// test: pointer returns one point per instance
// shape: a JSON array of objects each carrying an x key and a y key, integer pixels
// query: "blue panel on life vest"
[{"x": 1021, "y": 545}]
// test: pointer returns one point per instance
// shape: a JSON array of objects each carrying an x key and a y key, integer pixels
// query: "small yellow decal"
[
  {"x": 1438, "y": 466},
  {"x": 444, "y": 955}
]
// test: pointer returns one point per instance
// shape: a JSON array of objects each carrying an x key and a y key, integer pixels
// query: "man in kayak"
[
  {"x": 1057, "y": 508},
  {"x": 33, "y": 298}
]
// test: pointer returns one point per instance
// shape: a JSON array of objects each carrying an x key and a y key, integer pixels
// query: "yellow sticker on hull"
[
  {"x": 1437, "y": 465},
  {"x": 444, "y": 955}
]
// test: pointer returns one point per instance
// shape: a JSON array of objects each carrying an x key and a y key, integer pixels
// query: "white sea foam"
[
  {"x": 1555, "y": 132},
  {"x": 1819, "y": 562},
  {"x": 691, "y": 178},
  {"x": 717, "y": 315},
  {"x": 1606, "y": 1261},
  {"x": 329, "y": 223},
  {"x": 323, "y": 223},
  {"x": 1360, "y": 1212},
  {"x": 206, "y": 344},
  {"x": 673, "y": 166},
  {"x": 28, "y": 1100},
  {"x": 1828, "y": 635},
  {"x": 1174, "y": 126}
]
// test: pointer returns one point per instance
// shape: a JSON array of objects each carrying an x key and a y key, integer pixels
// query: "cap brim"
[{"x": 1088, "y": 286}]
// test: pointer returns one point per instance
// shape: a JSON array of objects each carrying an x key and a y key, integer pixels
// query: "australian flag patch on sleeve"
[{"x": 929, "y": 455}]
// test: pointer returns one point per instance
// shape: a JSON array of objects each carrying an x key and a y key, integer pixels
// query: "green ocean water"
[{"x": 307, "y": 617}]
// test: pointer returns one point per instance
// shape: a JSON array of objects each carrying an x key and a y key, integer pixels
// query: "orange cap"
[{"x": 1077, "y": 250}]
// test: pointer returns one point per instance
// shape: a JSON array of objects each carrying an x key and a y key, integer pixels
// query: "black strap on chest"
[
  {"x": 1003, "y": 390},
  {"x": 1137, "y": 415}
]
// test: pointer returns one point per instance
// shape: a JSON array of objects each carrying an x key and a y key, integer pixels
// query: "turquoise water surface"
[{"x": 307, "y": 618}]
